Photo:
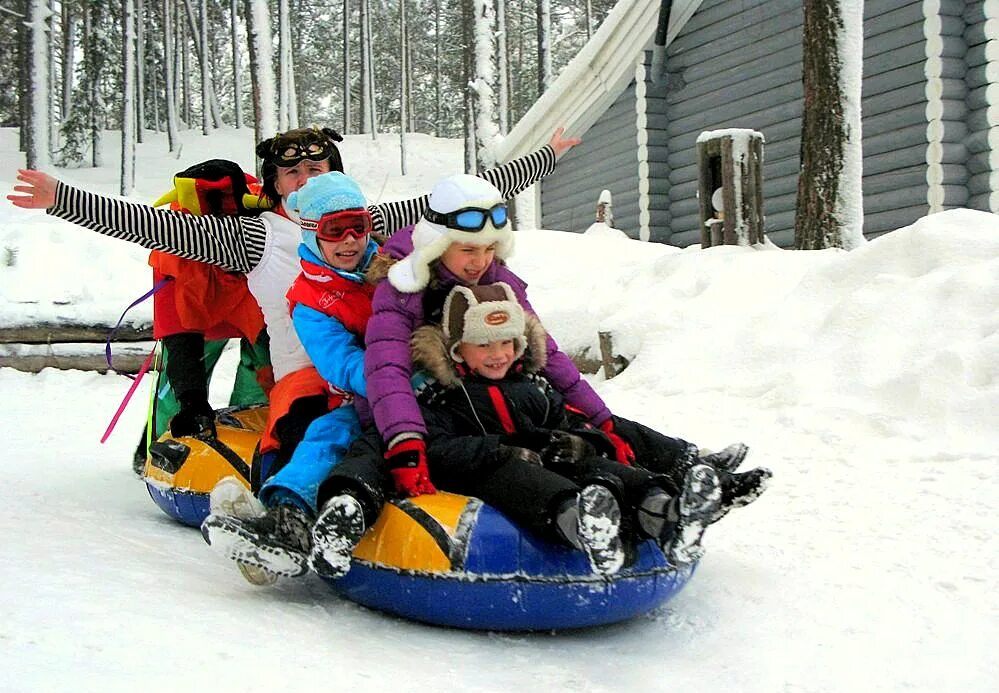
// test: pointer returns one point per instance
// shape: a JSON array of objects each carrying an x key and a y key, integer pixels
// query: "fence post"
[{"x": 730, "y": 187}]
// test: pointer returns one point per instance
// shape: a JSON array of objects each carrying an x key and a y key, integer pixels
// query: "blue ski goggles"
[{"x": 469, "y": 218}]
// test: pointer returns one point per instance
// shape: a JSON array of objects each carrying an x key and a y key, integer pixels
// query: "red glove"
[
  {"x": 622, "y": 451},
  {"x": 408, "y": 463}
]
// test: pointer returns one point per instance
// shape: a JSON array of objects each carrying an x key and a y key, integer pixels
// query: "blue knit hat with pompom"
[{"x": 329, "y": 192}]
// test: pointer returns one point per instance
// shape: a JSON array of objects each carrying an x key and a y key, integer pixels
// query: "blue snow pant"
[{"x": 324, "y": 445}]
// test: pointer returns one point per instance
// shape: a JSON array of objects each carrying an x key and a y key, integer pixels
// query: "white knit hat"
[
  {"x": 431, "y": 240},
  {"x": 483, "y": 314}
]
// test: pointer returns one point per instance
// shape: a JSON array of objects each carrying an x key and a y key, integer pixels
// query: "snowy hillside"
[{"x": 869, "y": 382}]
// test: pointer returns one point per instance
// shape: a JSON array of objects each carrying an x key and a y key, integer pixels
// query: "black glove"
[
  {"x": 566, "y": 447},
  {"x": 512, "y": 453}
]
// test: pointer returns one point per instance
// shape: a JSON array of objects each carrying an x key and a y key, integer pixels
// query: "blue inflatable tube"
[{"x": 444, "y": 559}]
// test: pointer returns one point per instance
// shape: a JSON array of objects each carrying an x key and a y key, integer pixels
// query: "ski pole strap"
[
  {"x": 107, "y": 345},
  {"x": 128, "y": 395}
]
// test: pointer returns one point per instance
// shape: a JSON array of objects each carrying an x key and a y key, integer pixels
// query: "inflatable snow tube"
[{"x": 444, "y": 559}]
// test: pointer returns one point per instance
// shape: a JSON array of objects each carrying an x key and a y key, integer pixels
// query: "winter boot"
[
  {"x": 597, "y": 528},
  {"x": 336, "y": 533},
  {"x": 231, "y": 498},
  {"x": 279, "y": 541},
  {"x": 139, "y": 456},
  {"x": 739, "y": 490},
  {"x": 692, "y": 509},
  {"x": 196, "y": 417},
  {"x": 727, "y": 460}
]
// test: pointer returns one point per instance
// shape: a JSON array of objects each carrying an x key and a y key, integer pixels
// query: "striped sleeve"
[
  {"x": 511, "y": 179},
  {"x": 233, "y": 243}
]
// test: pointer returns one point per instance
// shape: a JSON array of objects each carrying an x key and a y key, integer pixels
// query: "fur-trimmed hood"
[{"x": 429, "y": 351}]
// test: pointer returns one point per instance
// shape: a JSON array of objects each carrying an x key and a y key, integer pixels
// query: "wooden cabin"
[{"x": 930, "y": 110}]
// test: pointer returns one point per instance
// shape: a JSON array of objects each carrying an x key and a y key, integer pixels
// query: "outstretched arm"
[
  {"x": 511, "y": 178},
  {"x": 233, "y": 243}
]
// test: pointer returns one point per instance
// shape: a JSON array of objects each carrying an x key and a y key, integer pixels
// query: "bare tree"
[
  {"x": 544, "y": 15},
  {"x": 829, "y": 211},
  {"x": 481, "y": 86},
  {"x": 346, "y": 67},
  {"x": 202, "y": 40},
  {"x": 140, "y": 69},
  {"x": 258, "y": 34},
  {"x": 69, "y": 24},
  {"x": 503, "y": 67},
  {"x": 169, "y": 81},
  {"x": 37, "y": 130},
  {"x": 403, "y": 85},
  {"x": 237, "y": 75},
  {"x": 127, "y": 182}
]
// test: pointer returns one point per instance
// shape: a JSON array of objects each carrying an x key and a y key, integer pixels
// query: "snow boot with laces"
[
  {"x": 336, "y": 533},
  {"x": 278, "y": 542}
]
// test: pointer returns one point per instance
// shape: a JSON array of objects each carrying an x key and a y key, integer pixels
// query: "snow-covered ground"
[{"x": 869, "y": 382}]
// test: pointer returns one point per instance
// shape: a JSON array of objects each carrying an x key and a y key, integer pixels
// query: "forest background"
[{"x": 467, "y": 69}]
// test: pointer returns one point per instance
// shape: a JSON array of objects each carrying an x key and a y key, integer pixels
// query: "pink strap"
[{"x": 128, "y": 395}]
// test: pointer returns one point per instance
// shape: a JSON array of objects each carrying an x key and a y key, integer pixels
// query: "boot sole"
[
  {"x": 599, "y": 527},
  {"x": 698, "y": 502},
  {"x": 336, "y": 533},
  {"x": 234, "y": 541}
]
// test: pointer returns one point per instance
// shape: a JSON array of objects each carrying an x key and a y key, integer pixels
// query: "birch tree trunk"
[
  {"x": 284, "y": 66},
  {"x": 403, "y": 81},
  {"x": 205, "y": 78},
  {"x": 140, "y": 69},
  {"x": 169, "y": 81},
  {"x": 258, "y": 38},
  {"x": 503, "y": 67},
  {"x": 37, "y": 130},
  {"x": 69, "y": 24},
  {"x": 237, "y": 74},
  {"x": 52, "y": 40},
  {"x": 437, "y": 69},
  {"x": 829, "y": 204},
  {"x": 346, "y": 67},
  {"x": 127, "y": 182},
  {"x": 544, "y": 14},
  {"x": 467, "y": 32},
  {"x": 481, "y": 87}
]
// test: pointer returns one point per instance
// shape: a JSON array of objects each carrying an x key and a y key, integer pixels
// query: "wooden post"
[{"x": 730, "y": 187}]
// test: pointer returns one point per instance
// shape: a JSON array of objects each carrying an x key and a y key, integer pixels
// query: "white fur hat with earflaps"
[{"x": 430, "y": 240}]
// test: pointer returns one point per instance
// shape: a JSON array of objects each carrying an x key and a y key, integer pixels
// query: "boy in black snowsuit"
[{"x": 500, "y": 432}]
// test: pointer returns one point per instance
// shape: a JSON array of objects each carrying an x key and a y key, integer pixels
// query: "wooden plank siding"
[
  {"x": 981, "y": 34},
  {"x": 721, "y": 77},
  {"x": 606, "y": 159},
  {"x": 930, "y": 109}
]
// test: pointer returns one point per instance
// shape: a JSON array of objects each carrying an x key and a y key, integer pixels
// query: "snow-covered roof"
[{"x": 595, "y": 77}]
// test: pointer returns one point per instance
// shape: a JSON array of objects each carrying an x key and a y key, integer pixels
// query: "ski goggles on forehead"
[
  {"x": 290, "y": 153},
  {"x": 469, "y": 218},
  {"x": 337, "y": 226}
]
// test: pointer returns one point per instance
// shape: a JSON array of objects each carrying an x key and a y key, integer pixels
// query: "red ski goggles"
[{"x": 337, "y": 226}]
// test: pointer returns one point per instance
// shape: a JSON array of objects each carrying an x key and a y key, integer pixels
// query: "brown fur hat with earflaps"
[{"x": 479, "y": 315}]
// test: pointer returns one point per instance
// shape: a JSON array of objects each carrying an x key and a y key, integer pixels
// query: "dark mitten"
[
  {"x": 567, "y": 447},
  {"x": 196, "y": 417},
  {"x": 532, "y": 440},
  {"x": 407, "y": 462},
  {"x": 512, "y": 453}
]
